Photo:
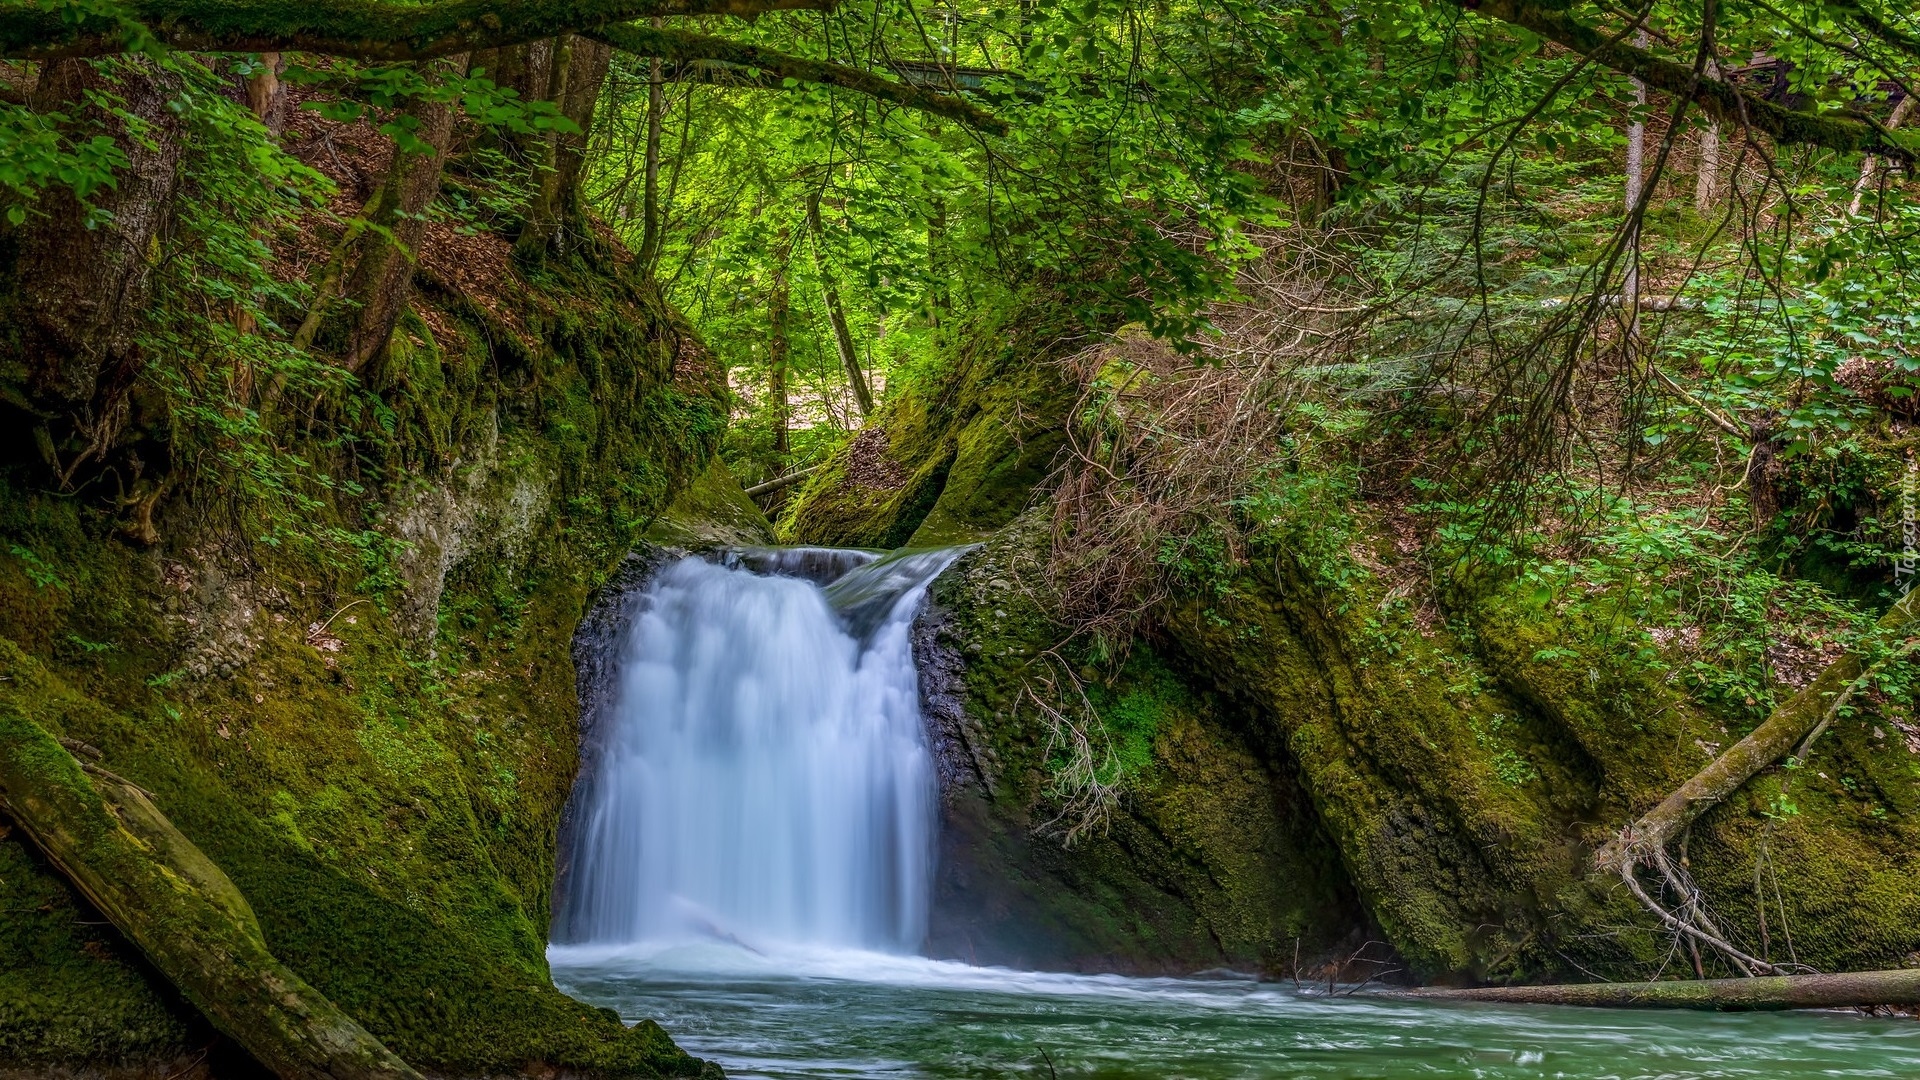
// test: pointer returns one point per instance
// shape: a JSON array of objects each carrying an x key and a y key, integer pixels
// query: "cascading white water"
[{"x": 763, "y": 774}]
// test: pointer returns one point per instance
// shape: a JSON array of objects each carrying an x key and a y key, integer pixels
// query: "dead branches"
[{"x": 1166, "y": 446}]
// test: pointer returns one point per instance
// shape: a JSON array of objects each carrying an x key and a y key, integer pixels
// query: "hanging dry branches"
[{"x": 1163, "y": 446}]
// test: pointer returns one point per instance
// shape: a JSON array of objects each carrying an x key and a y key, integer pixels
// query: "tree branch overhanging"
[
  {"x": 1720, "y": 100},
  {"x": 1766, "y": 744},
  {"x": 1878, "y": 27},
  {"x": 685, "y": 47},
  {"x": 376, "y": 30}
]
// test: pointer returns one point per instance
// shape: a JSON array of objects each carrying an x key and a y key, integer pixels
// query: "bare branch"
[
  {"x": 1721, "y": 100},
  {"x": 686, "y": 47}
]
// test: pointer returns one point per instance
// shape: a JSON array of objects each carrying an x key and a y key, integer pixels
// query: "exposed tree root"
[
  {"x": 105, "y": 835},
  {"x": 1855, "y": 989}
]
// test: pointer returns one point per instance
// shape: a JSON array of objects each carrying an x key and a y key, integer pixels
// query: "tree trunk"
[
  {"x": 1871, "y": 166},
  {"x": 1636, "y": 179},
  {"x": 575, "y": 68},
  {"x": 267, "y": 95},
  {"x": 159, "y": 890},
  {"x": 382, "y": 278},
  {"x": 1707, "y": 179},
  {"x": 1789, "y": 724},
  {"x": 830, "y": 294},
  {"x": 650, "y": 184},
  {"x": 1848, "y": 990},
  {"x": 939, "y": 297},
  {"x": 83, "y": 277},
  {"x": 778, "y": 344}
]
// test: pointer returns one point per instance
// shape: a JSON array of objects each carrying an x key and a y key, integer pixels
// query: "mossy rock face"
[
  {"x": 952, "y": 462},
  {"x": 379, "y": 763},
  {"x": 713, "y": 512},
  {"x": 1455, "y": 809},
  {"x": 1212, "y": 857},
  {"x": 1467, "y": 773}
]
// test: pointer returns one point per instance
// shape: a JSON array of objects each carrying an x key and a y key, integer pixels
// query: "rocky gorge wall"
[
  {"x": 1304, "y": 767},
  {"x": 376, "y": 751}
]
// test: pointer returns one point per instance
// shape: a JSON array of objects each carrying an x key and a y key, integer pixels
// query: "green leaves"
[
  {"x": 382, "y": 92},
  {"x": 39, "y": 151}
]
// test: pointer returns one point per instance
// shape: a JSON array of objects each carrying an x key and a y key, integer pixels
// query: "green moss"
[
  {"x": 1212, "y": 856},
  {"x": 714, "y": 512},
  {"x": 1466, "y": 773},
  {"x": 386, "y": 788},
  {"x": 958, "y": 458},
  {"x": 1452, "y": 804}
]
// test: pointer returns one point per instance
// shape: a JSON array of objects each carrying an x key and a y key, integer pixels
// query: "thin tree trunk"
[
  {"x": 267, "y": 95},
  {"x": 1871, "y": 167},
  {"x": 382, "y": 279},
  {"x": 158, "y": 889},
  {"x": 1707, "y": 179},
  {"x": 1636, "y": 165},
  {"x": 778, "y": 483},
  {"x": 778, "y": 343},
  {"x": 1856, "y": 989},
  {"x": 939, "y": 299},
  {"x": 650, "y": 198},
  {"x": 836, "y": 315}
]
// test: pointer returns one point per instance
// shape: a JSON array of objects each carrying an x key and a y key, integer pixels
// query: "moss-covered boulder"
[
  {"x": 714, "y": 511},
  {"x": 953, "y": 458},
  {"x": 1467, "y": 771},
  {"x": 376, "y": 750},
  {"x": 1210, "y": 857}
]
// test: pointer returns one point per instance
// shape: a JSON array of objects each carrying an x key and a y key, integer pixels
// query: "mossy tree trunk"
[
  {"x": 382, "y": 280},
  {"x": 157, "y": 888},
  {"x": 1788, "y": 725},
  {"x": 83, "y": 271},
  {"x": 836, "y": 314},
  {"x": 574, "y": 68}
]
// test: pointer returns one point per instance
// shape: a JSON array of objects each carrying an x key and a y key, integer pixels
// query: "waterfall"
[{"x": 760, "y": 772}]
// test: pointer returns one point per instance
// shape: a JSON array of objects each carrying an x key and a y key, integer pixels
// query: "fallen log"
[
  {"x": 1853, "y": 989},
  {"x": 779, "y": 482},
  {"x": 162, "y": 892}
]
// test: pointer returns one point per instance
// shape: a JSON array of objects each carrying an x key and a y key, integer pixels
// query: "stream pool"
[{"x": 807, "y": 1013}]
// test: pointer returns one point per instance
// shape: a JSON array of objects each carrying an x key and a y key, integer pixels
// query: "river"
[
  {"x": 850, "y": 1014},
  {"x": 750, "y": 860}
]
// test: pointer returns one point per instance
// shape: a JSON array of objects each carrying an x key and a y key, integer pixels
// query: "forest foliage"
[{"x": 1613, "y": 308}]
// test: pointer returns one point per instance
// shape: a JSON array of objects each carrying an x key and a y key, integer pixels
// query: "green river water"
[{"x": 844, "y": 1014}]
